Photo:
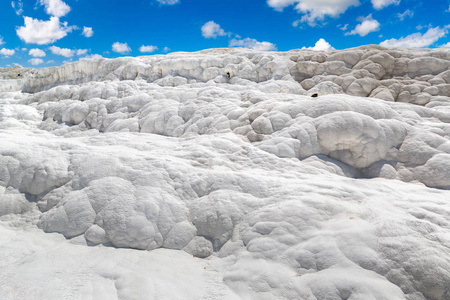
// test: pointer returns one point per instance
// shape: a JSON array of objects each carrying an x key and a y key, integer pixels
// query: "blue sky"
[{"x": 41, "y": 33}]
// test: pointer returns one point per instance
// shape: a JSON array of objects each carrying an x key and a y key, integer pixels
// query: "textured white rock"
[{"x": 297, "y": 175}]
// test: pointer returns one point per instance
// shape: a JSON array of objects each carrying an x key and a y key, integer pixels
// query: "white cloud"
[
  {"x": 420, "y": 27},
  {"x": 314, "y": 10},
  {"x": 407, "y": 13},
  {"x": 122, "y": 48},
  {"x": 296, "y": 23},
  {"x": 416, "y": 40},
  {"x": 379, "y": 4},
  {"x": 343, "y": 27},
  {"x": 321, "y": 45},
  {"x": 166, "y": 49},
  {"x": 279, "y": 5},
  {"x": 36, "y": 52},
  {"x": 92, "y": 56},
  {"x": 448, "y": 10},
  {"x": 82, "y": 52},
  {"x": 7, "y": 52},
  {"x": 212, "y": 30},
  {"x": 147, "y": 49},
  {"x": 87, "y": 32},
  {"x": 56, "y": 8},
  {"x": 445, "y": 45},
  {"x": 17, "y": 6},
  {"x": 62, "y": 51},
  {"x": 36, "y": 61},
  {"x": 253, "y": 44},
  {"x": 43, "y": 32},
  {"x": 366, "y": 26},
  {"x": 168, "y": 2},
  {"x": 1, "y": 40}
]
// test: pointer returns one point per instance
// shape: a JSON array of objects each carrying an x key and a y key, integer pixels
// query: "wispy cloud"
[
  {"x": 82, "y": 52},
  {"x": 17, "y": 6},
  {"x": 36, "y": 61},
  {"x": 416, "y": 40},
  {"x": 168, "y": 2},
  {"x": 343, "y": 27},
  {"x": 91, "y": 56},
  {"x": 380, "y": 4},
  {"x": 314, "y": 10},
  {"x": 403, "y": 16}
]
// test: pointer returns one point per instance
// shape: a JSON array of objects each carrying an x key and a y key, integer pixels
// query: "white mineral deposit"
[{"x": 228, "y": 174}]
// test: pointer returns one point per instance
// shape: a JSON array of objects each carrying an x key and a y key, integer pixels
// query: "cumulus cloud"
[
  {"x": 379, "y": 4},
  {"x": 43, "y": 32},
  {"x": 82, "y": 52},
  {"x": 36, "y": 53},
  {"x": 1, "y": 40},
  {"x": 36, "y": 61},
  {"x": 416, "y": 40},
  {"x": 7, "y": 52},
  {"x": 253, "y": 44},
  {"x": 367, "y": 25},
  {"x": 321, "y": 45},
  {"x": 147, "y": 49},
  {"x": 168, "y": 2},
  {"x": 122, "y": 48},
  {"x": 445, "y": 45},
  {"x": 62, "y": 51},
  {"x": 56, "y": 8},
  {"x": 403, "y": 16},
  {"x": 87, "y": 32},
  {"x": 17, "y": 6},
  {"x": 166, "y": 49},
  {"x": 212, "y": 30},
  {"x": 314, "y": 10}
]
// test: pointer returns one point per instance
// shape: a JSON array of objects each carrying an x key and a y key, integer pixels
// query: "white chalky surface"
[{"x": 216, "y": 175}]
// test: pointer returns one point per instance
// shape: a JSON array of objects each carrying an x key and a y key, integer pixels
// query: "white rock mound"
[{"x": 297, "y": 175}]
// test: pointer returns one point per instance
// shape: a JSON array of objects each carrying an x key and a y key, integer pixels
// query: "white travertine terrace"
[{"x": 281, "y": 175}]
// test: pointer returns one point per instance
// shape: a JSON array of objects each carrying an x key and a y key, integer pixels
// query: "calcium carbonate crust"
[{"x": 224, "y": 153}]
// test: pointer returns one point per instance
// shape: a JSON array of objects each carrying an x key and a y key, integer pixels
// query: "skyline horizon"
[{"x": 53, "y": 32}]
